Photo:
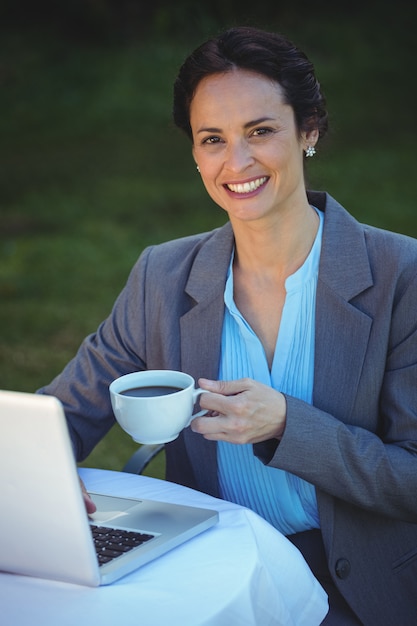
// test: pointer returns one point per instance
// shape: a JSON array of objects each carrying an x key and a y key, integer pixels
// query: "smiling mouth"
[{"x": 252, "y": 185}]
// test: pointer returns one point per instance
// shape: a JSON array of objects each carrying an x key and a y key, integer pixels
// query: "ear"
[{"x": 310, "y": 138}]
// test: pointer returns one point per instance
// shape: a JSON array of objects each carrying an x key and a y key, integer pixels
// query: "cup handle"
[{"x": 197, "y": 393}]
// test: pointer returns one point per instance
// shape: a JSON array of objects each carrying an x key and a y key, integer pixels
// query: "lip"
[{"x": 246, "y": 188}]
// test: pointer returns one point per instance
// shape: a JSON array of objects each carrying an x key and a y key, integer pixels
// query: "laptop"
[{"x": 44, "y": 527}]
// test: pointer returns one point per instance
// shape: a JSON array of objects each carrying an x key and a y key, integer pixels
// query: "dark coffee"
[{"x": 150, "y": 391}]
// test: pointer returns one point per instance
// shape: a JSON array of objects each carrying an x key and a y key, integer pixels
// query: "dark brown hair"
[{"x": 269, "y": 54}]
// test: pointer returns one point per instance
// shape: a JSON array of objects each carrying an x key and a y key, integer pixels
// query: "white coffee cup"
[{"x": 154, "y": 406}]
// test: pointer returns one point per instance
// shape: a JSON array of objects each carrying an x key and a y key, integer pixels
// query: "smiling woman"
[
  {"x": 250, "y": 154},
  {"x": 255, "y": 154},
  {"x": 299, "y": 322}
]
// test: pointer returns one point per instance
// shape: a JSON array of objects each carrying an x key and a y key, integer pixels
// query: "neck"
[{"x": 280, "y": 247}]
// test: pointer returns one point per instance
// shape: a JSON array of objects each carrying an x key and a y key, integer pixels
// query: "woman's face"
[{"x": 247, "y": 146}]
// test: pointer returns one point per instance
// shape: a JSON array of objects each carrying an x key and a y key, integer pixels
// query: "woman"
[{"x": 298, "y": 319}]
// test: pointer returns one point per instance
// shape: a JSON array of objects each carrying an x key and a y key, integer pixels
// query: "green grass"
[{"x": 92, "y": 171}]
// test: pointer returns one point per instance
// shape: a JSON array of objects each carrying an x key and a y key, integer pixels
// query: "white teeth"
[{"x": 247, "y": 187}]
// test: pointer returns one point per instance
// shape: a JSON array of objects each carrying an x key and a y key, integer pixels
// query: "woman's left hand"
[{"x": 241, "y": 411}]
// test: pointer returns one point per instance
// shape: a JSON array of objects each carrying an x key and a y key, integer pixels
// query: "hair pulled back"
[{"x": 269, "y": 54}]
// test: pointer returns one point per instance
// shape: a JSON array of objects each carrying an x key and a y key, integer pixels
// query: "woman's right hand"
[{"x": 241, "y": 411}]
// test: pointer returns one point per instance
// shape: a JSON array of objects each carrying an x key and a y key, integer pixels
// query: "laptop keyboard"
[{"x": 113, "y": 542}]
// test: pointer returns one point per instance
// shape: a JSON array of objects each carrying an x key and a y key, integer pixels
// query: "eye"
[
  {"x": 212, "y": 139},
  {"x": 260, "y": 132}
]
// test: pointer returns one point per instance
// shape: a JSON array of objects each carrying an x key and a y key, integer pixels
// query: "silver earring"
[
  {"x": 198, "y": 169},
  {"x": 310, "y": 151}
]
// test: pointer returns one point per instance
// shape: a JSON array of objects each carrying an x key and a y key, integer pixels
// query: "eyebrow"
[{"x": 250, "y": 124}]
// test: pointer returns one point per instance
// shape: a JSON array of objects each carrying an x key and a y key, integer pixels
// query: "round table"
[{"x": 242, "y": 571}]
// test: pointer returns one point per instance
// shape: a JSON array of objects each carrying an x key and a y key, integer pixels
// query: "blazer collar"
[
  {"x": 342, "y": 327},
  {"x": 344, "y": 263},
  {"x": 201, "y": 328},
  {"x": 208, "y": 274},
  {"x": 344, "y": 272}
]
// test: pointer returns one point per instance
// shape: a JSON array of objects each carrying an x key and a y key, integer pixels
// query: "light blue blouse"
[{"x": 283, "y": 499}]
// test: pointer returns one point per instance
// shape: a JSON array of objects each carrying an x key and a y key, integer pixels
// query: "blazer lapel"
[
  {"x": 344, "y": 273},
  {"x": 201, "y": 326},
  {"x": 201, "y": 329}
]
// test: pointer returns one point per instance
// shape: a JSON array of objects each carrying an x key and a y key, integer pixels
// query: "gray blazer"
[{"x": 358, "y": 442}]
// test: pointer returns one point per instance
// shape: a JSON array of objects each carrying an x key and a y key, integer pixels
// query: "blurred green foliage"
[{"x": 92, "y": 169}]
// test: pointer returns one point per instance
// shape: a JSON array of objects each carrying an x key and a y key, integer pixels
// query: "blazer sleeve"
[
  {"x": 141, "y": 332},
  {"x": 116, "y": 348}
]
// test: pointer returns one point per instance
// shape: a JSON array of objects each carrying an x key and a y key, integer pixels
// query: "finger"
[
  {"x": 208, "y": 425},
  {"x": 225, "y": 387},
  {"x": 220, "y": 429},
  {"x": 218, "y": 404},
  {"x": 89, "y": 504}
]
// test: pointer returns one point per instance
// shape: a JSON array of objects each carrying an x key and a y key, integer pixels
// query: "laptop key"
[{"x": 111, "y": 543}]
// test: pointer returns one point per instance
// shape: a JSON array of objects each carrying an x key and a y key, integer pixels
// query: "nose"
[{"x": 238, "y": 156}]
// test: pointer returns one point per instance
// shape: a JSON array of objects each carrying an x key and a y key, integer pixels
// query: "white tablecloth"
[{"x": 241, "y": 572}]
